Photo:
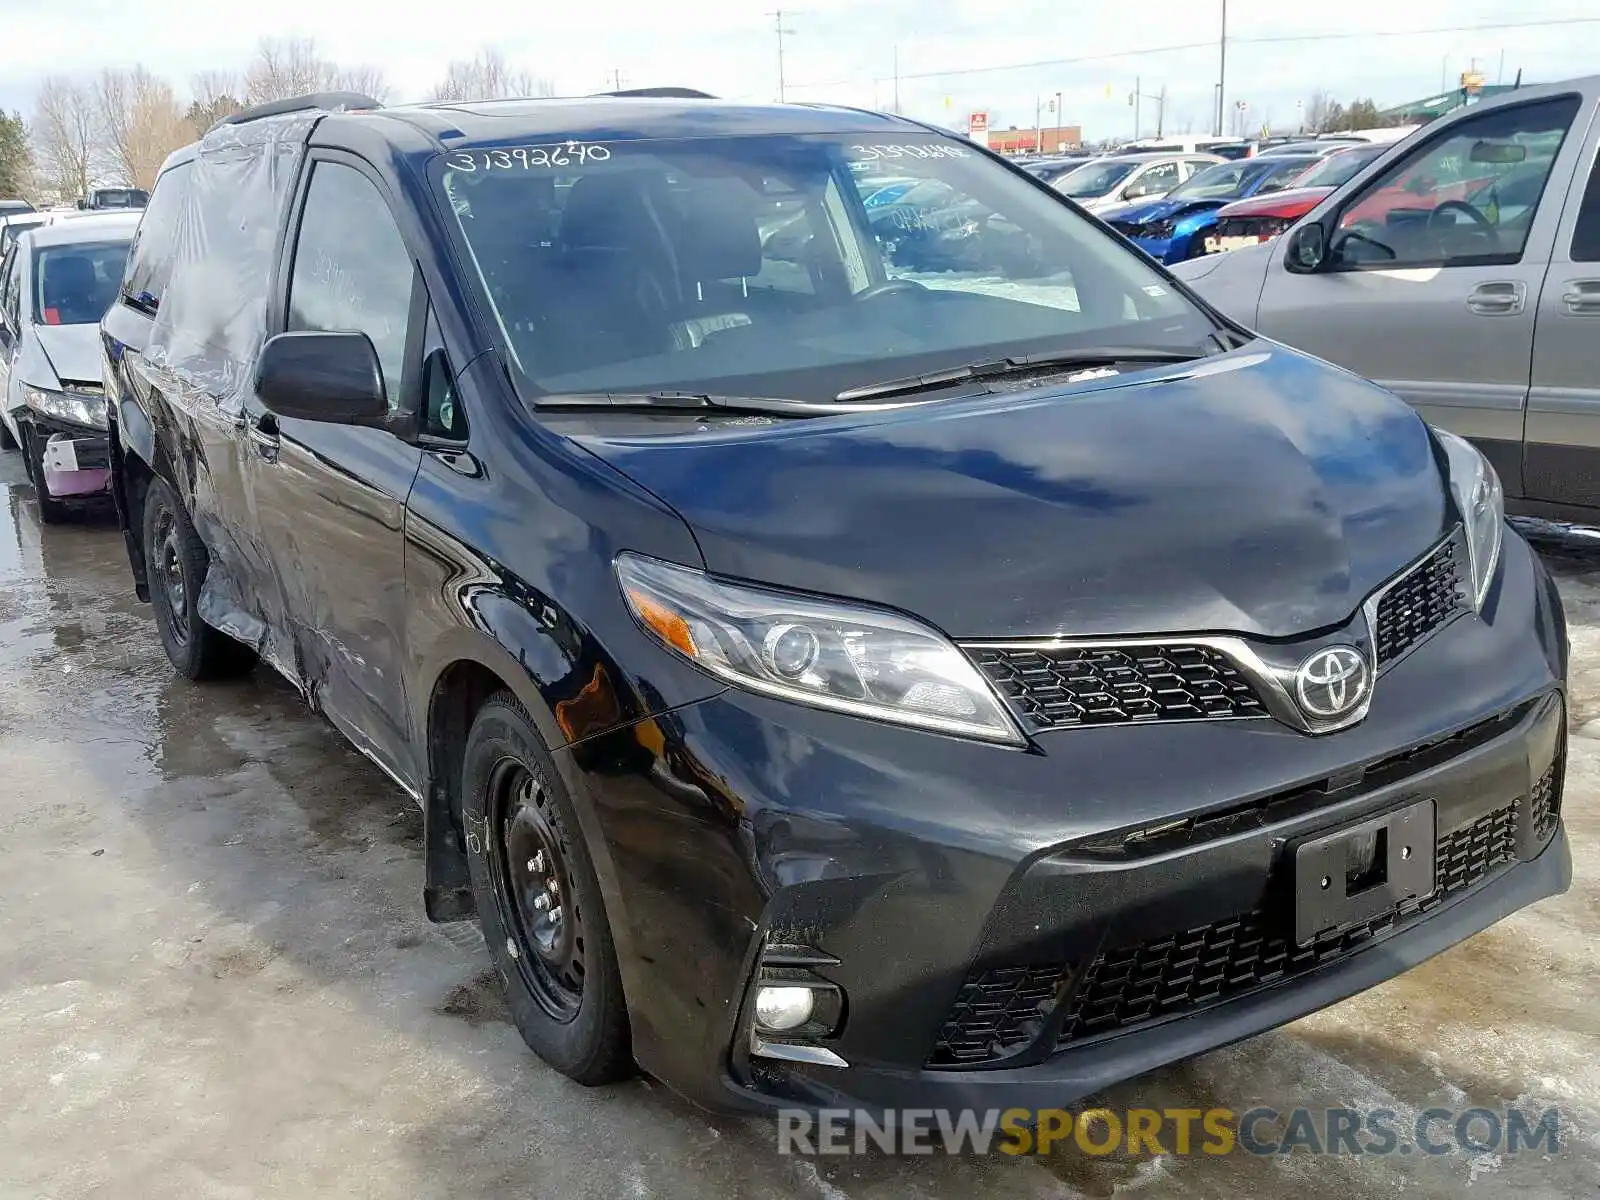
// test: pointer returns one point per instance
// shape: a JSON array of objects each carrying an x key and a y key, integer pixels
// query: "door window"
[
  {"x": 155, "y": 244},
  {"x": 1586, "y": 238},
  {"x": 11, "y": 289},
  {"x": 1157, "y": 181},
  {"x": 352, "y": 272},
  {"x": 1466, "y": 198}
]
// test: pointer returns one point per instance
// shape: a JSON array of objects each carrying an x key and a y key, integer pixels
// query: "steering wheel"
[
  {"x": 889, "y": 287},
  {"x": 1482, "y": 226}
]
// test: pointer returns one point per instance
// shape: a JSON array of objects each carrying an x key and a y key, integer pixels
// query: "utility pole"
[
  {"x": 897, "y": 79},
  {"x": 1222, "y": 68},
  {"x": 1058, "y": 121},
  {"x": 1138, "y": 95},
  {"x": 1161, "y": 111},
  {"x": 616, "y": 78},
  {"x": 1038, "y": 129},
  {"x": 777, "y": 24}
]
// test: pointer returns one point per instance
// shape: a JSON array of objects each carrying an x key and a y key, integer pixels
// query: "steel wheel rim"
[
  {"x": 542, "y": 917},
  {"x": 169, "y": 575}
]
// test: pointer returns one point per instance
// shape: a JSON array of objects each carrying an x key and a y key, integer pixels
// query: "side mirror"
[
  {"x": 315, "y": 376},
  {"x": 1306, "y": 249}
]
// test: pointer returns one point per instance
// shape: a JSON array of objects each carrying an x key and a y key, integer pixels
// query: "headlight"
[
  {"x": 1159, "y": 230},
  {"x": 1482, "y": 505},
  {"x": 67, "y": 406},
  {"x": 844, "y": 657}
]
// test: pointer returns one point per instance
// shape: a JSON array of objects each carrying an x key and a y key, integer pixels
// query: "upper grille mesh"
[
  {"x": 1419, "y": 603},
  {"x": 1073, "y": 686}
]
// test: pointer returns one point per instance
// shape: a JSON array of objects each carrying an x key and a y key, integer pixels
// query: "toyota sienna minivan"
[{"x": 827, "y": 681}]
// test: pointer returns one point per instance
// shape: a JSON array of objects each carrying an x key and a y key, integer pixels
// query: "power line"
[{"x": 1275, "y": 39}]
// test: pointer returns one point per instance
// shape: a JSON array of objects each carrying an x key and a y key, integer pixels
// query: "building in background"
[{"x": 1030, "y": 141}]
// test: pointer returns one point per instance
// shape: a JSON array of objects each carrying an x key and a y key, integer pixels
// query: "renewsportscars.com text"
[{"x": 1135, "y": 1131}]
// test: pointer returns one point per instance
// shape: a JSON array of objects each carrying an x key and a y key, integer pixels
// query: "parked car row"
[{"x": 762, "y": 535}]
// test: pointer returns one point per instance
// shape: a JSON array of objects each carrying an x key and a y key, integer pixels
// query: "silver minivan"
[{"x": 1462, "y": 271}]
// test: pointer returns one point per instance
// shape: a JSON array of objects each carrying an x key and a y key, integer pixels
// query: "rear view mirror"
[
  {"x": 315, "y": 376},
  {"x": 1498, "y": 153},
  {"x": 1306, "y": 249}
]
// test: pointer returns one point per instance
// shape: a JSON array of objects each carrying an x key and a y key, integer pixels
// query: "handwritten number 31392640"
[{"x": 527, "y": 158}]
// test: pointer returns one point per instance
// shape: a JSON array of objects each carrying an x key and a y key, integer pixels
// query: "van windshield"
[{"x": 756, "y": 265}]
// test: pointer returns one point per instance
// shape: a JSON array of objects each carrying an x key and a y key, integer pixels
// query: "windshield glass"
[
  {"x": 1229, "y": 180},
  {"x": 753, "y": 266},
  {"x": 1338, "y": 169},
  {"x": 74, "y": 285},
  {"x": 120, "y": 198},
  {"x": 1094, "y": 179}
]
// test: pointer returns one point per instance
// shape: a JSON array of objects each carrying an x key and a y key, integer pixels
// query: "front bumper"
[
  {"x": 74, "y": 460},
  {"x": 945, "y": 879}
]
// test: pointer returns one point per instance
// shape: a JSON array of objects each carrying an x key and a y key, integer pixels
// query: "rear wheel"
[
  {"x": 175, "y": 563},
  {"x": 7, "y": 442},
  {"x": 539, "y": 900}
]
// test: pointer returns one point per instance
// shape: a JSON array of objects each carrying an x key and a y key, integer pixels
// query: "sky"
[{"x": 845, "y": 51}]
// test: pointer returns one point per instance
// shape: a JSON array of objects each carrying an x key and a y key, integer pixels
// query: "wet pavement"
[{"x": 216, "y": 979}]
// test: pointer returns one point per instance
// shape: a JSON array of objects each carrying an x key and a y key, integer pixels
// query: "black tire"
[
  {"x": 517, "y": 814},
  {"x": 175, "y": 565},
  {"x": 51, "y": 510},
  {"x": 7, "y": 442}
]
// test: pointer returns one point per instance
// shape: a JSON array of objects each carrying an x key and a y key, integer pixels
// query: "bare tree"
[
  {"x": 64, "y": 134},
  {"x": 369, "y": 81},
  {"x": 487, "y": 76},
  {"x": 285, "y": 67},
  {"x": 1317, "y": 112},
  {"x": 141, "y": 123},
  {"x": 216, "y": 95}
]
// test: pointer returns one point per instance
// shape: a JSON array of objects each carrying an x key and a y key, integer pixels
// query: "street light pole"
[
  {"x": 777, "y": 19},
  {"x": 1222, "y": 68}
]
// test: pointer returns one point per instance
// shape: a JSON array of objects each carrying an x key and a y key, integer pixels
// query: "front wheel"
[
  {"x": 175, "y": 563},
  {"x": 539, "y": 900}
]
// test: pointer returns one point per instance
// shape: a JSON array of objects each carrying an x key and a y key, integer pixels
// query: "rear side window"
[
  {"x": 150, "y": 260},
  {"x": 1586, "y": 238}
]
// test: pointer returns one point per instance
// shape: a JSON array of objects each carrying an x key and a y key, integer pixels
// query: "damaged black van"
[{"x": 845, "y": 652}]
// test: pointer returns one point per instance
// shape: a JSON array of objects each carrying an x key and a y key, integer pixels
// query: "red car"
[{"x": 1262, "y": 218}]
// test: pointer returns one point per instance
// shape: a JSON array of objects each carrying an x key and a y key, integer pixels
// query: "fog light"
[{"x": 779, "y": 1009}]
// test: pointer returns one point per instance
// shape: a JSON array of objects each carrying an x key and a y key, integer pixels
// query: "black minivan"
[{"x": 828, "y": 677}]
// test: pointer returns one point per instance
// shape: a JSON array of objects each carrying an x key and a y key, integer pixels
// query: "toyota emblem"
[{"x": 1332, "y": 683}]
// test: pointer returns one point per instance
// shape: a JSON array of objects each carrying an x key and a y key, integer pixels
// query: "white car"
[
  {"x": 1102, "y": 182},
  {"x": 56, "y": 282}
]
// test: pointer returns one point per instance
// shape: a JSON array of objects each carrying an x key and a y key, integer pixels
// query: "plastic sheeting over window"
[{"x": 213, "y": 316}]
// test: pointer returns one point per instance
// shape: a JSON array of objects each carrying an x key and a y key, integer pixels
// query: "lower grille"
[
  {"x": 996, "y": 1014},
  {"x": 1418, "y": 603},
  {"x": 1000, "y": 1012},
  {"x": 1080, "y": 685},
  {"x": 1545, "y": 806}
]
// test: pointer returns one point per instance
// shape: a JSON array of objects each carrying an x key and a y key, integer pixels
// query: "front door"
[
  {"x": 1562, "y": 462},
  {"x": 1434, "y": 271},
  {"x": 330, "y": 499}
]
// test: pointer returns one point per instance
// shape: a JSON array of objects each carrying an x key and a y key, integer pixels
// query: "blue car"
[{"x": 1173, "y": 228}]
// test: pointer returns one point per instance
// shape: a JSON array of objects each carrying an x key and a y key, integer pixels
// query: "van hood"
[
  {"x": 1259, "y": 492},
  {"x": 73, "y": 351},
  {"x": 1142, "y": 212}
]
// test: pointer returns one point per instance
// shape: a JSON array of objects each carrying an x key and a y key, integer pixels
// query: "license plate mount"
[{"x": 1349, "y": 876}]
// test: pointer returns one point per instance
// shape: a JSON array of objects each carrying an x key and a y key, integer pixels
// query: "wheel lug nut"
[
  {"x": 536, "y": 863},
  {"x": 554, "y": 885},
  {"x": 541, "y": 902},
  {"x": 555, "y": 915}
]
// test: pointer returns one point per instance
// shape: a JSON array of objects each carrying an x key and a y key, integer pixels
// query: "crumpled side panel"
[{"x": 213, "y": 315}]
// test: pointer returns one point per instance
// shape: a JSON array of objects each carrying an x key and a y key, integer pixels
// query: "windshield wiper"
[
  {"x": 1094, "y": 356},
  {"x": 707, "y": 402}
]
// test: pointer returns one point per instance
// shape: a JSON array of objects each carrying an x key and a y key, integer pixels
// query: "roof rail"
[
  {"x": 669, "y": 93},
  {"x": 311, "y": 101}
]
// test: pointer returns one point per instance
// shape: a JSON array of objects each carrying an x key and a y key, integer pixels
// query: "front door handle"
[
  {"x": 1501, "y": 298},
  {"x": 263, "y": 431},
  {"x": 1582, "y": 297}
]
